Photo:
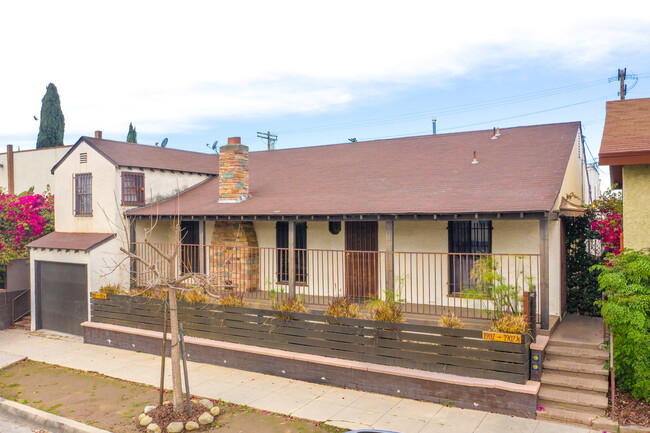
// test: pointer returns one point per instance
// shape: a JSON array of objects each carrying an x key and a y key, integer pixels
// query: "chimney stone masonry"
[{"x": 233, "y": 171}]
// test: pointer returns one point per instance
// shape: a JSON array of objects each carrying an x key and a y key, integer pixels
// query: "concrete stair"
[{"x": 574, "y": 383}]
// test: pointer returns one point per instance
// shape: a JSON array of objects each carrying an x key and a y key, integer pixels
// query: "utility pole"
[
  {"x": 621, "y": 78},
  {"x": 270, "y": 138}
]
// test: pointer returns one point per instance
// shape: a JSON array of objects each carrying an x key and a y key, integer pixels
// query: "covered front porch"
[{"x": 427, "y": 263}]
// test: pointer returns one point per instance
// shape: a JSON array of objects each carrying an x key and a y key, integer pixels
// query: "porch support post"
[
  {"x": 390, "y": 247},
  {"x": 544, "y": 273},
  {"x": 202, "y": 247},
  {"x": 292, "y": 259},
  {"x": 132, "y": 249}
]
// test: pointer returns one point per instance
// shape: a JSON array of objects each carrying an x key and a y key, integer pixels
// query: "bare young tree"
[{"x": 159, "y": 268}]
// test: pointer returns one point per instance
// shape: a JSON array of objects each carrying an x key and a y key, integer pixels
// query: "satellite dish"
[
  {"x": 213, "y": 146},
  {"x": 164, "y": 142}
]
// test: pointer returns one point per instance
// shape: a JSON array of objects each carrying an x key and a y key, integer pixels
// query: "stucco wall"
[
  {"x": 102, "y": 267},
  {"x": 575, "y": 177},
  {"x": 31, "y": 168},
  {"x": 636, "y": 206},
  {"x": 159, "y": 184},
  {"x": 104, "y": 199}
]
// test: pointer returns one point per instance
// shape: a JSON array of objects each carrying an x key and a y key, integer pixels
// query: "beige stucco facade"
[
  {"x": 32, "y": 169},
  {"x": 636, "y": 206}
]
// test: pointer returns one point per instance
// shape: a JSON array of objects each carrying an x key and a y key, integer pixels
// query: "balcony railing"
[{"x": 427, "y": 283}]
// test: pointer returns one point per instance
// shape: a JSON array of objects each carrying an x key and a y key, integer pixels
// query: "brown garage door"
[{"x": 61, "y": 296}]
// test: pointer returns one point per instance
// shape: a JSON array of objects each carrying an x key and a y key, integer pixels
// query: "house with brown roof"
[
  {"x": 96, "y": 182},
  {"x": 409, "y": 215},
  {"x": 625, "y": 147}
]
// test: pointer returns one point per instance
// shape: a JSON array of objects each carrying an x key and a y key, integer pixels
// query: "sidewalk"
[{"x": 339, "y": 407}]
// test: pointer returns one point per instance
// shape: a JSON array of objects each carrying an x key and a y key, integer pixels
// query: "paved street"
[
  {"x": 10, "y": 425},
  {"x": 339, "y": 407}
]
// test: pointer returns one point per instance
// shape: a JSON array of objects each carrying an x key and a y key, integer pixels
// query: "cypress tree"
[
  {"x": 132, "y": 136},
  {"x": 50, "y": 133}
]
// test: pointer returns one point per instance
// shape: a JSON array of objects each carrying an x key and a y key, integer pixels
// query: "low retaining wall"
[
  {"x": 430, "y": 348},
  {"x": 471, "y": 393}
]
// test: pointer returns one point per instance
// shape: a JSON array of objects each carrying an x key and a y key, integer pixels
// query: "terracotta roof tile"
[
  {"x": 520, "y": 171},
  {"x": 71, "y": 241}
]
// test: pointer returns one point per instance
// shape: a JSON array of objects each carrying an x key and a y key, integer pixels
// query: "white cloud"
[{"x": 169, "y": 65}]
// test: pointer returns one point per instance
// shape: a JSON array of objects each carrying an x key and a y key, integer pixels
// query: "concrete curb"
[{"x": 45, "y": 420}]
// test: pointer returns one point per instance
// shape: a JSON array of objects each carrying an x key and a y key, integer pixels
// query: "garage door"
[{"x": 62, "y": 296}]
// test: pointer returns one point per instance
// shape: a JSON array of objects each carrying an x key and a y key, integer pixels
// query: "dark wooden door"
[
  {"x": 190, "y": 241},
  {"x": 61, "y": 296},
  {"x": 361, "y": 262}
]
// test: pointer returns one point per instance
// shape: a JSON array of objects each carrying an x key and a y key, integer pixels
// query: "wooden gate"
[{"x": 361, "y": 262}]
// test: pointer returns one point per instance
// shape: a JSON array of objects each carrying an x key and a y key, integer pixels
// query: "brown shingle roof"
[
  {"x": 71, "y": 241},
  {"x": 144, "y": 156},
  {"x": 626, "y": 136},
  {"x": 520, "y": 171}
]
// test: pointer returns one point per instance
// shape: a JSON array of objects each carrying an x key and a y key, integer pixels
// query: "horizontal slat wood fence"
[{"x": 430, "y": 348}]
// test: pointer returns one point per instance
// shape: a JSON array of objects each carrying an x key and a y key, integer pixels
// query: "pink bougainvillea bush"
[
  {"x": 608, "y": 220},
  {"x": 23, "y": 218}
]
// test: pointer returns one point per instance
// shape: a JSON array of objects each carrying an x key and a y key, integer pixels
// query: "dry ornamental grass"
[{"x": 343, "y": 307}]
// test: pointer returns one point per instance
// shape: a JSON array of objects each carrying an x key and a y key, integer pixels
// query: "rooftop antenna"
[
  {"x": 164, "y": 142},
  {"x": 213, "y": 146},
  {"x": 270, "y": 139}
]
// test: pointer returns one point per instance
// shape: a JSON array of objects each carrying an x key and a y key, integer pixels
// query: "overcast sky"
[{"x": 314, "y": 72}]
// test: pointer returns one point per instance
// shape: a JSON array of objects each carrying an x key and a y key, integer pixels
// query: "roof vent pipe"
[
  {"x": 475, "y": 161},
  {"x": 495, "y": 133},
  {"x": 433, "y": 121}
]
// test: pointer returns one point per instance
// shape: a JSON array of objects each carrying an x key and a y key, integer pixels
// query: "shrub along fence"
[{"x": 431, "y": 348}]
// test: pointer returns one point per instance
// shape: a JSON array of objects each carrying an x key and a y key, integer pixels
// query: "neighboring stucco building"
[
  {"x": 24, "y": 169},
  {"x": 625, "y": 147}
]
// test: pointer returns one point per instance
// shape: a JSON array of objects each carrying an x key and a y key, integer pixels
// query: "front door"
[
  {"x": 361, "y": 263},
  {"x": 190, "y": 247}
]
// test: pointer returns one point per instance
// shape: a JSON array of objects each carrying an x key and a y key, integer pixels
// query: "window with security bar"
[
  {"x": 132, "y": 189},
  {"x": 468, "y": 240},
  {"x": 83, "y": 194},
  {"x": 282, "y": 243}
]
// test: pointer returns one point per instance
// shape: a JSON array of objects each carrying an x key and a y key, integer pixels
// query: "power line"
[{"x": 491, "y": 121}]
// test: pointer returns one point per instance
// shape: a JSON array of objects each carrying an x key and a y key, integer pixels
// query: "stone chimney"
[
  {"x": 98, "y": 134},
  {"x": 233, "y": 171}
]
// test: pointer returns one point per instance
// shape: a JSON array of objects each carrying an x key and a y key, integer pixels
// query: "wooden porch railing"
[{"x": 426, "y": 283}]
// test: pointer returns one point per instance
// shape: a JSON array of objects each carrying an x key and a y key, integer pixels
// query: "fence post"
[
  {"x": 390, "y": 248},
  {"x": 292, "y": 259},
  {"x": 532, "y": 314}
]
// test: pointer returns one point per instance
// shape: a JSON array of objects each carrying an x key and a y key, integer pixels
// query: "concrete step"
[
  {"x": 573, "y": 399},
  {"x": 589, "y": 382},
  {"x": 566, "y": 416},
  {"x": 575, "y": 367},
  {"x": 599, "y": 355},
  {"x": 554, "y": 342},
  {"x": 574, "y": 359}
]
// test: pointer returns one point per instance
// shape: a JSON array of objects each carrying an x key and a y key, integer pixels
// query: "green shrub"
[{"x": 625, "y": 279}]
